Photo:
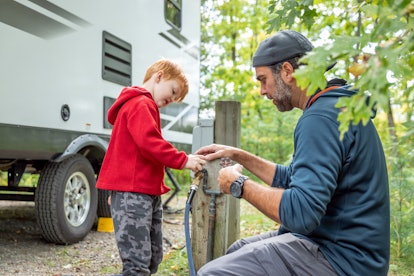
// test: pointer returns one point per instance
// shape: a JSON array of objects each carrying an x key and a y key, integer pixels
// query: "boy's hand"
[{"x": 195, "y": 162}]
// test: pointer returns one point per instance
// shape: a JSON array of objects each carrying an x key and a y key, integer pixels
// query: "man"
[{"x": 332, "y": 201}]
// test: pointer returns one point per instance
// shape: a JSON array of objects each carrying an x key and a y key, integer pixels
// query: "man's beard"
[{"x": 283, "y": 94}]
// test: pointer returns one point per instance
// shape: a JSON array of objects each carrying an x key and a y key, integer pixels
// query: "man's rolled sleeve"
[{"x": 281, "y": 178}]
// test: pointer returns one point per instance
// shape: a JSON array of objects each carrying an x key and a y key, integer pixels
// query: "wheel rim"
[{"x": 77, "y": 199}]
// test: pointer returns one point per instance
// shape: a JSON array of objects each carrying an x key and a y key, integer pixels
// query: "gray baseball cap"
[{"x": 280, "y": 47}]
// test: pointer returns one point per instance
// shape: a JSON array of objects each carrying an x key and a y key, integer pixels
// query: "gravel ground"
[{"x": 24, "y": 252}]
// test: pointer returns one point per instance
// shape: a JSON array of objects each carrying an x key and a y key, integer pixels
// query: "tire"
[
  {"x": 66, "y": 200},
  {"x": 104, "y": 210}
]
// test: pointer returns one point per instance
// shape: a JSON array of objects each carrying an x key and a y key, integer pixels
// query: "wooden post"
[{"x": 209, "y": 243}]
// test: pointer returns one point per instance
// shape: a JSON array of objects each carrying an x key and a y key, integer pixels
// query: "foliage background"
[{"x": 372, "y": 43}]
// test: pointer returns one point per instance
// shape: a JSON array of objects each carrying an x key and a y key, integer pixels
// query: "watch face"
[{"x": 235, "y": 190}]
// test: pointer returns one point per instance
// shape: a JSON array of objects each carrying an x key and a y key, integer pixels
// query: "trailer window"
[
  {"x": 116, "y": 60},
  {"x": 186, "y": 122},
  {"x": 107, "y": 102},
  {"x": 172, "y": 12}
]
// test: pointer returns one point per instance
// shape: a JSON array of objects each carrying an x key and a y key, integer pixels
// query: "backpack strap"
[{"x": 317, "y": 95}]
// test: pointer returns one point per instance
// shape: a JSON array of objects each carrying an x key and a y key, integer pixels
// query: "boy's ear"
[{"x": 158, "y": 76}]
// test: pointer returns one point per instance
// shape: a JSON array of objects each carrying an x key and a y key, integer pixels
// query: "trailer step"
[{"x": 17, "y": 193}]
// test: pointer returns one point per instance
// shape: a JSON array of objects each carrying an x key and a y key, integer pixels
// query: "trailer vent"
[{"x": 116, "y": 60}]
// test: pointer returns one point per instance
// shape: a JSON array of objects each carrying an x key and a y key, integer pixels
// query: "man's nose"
[{"x": 263, "y": 90}]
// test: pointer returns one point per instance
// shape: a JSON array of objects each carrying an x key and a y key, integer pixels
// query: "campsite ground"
[{"x": 24, "y": 252}]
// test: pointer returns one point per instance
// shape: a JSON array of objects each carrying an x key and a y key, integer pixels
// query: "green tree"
[
  {"x": 231, "y": 31},
  {"x": 371, "y": 40},
  {"x": 372, "y": 44}
]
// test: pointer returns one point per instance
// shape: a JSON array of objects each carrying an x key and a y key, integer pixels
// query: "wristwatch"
[{"x": 236, "y": 188}]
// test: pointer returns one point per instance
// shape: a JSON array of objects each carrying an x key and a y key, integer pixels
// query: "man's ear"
[{"x": 287, "y": 72}]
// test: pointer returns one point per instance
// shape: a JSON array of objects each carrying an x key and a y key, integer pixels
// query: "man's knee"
[
  {"x": 207, "y": 269},
  {"x": 236, "y": 246}
]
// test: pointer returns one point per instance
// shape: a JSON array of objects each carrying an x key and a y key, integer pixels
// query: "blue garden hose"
[
  {"x": 191, "y": 193},
  {"x": 188, "y": 239}
]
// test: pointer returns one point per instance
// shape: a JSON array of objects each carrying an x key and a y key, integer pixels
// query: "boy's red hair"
[{"x": 170, "y": 71}]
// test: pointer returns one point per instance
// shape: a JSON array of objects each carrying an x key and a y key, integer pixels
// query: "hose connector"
[{"x": 194, "y": 186}]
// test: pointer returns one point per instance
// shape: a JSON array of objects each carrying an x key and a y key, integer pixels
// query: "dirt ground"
[{"x": 24, "y": 252}]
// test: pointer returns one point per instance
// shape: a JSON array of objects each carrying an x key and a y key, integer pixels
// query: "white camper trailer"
[{"x": 63, "y": 63}]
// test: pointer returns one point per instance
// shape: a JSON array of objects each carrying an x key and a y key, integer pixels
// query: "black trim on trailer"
[
  {"x": 36, "y": 143},
  {"x": 81, "y": 142}
]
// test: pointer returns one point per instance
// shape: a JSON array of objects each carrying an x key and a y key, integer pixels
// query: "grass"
[{"x": 401, "y": 268}]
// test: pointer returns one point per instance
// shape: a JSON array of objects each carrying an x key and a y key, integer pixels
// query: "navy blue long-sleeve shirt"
[{"x": 337, "y": 190}]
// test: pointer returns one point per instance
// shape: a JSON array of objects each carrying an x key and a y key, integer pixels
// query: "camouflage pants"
[{"x": 138, "y": 231}]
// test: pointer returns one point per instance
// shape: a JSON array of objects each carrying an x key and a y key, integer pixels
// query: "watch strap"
[{"x": 240, "y": 182}]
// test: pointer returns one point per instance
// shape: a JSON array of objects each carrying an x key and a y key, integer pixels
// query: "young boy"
[{"x": 133, "y": 168}]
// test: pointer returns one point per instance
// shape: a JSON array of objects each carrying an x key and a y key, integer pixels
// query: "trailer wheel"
[
  {"x": 104, "y": 210},
  {"x": 66, "y": 200}
]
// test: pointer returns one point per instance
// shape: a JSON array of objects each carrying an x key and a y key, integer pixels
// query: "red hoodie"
[{"x": 137, "y": 153}]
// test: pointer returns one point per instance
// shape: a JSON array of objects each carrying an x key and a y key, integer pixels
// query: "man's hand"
[
  {"x": 215, "y": 151},
  {"x": 227, "y": 176},
  {"x": 262, "y": 168}
]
